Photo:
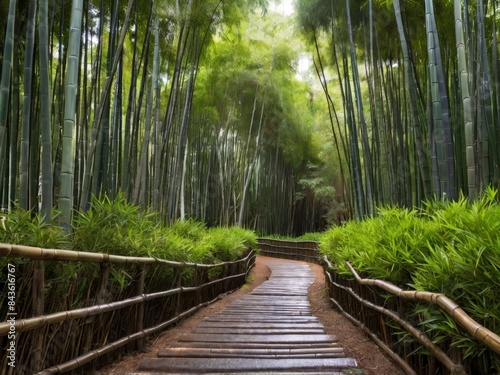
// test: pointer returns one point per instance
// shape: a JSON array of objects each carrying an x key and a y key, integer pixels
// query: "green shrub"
[
  {"x": 20, "y": 227},
  {"x": 121, "y": 228},
  {"x": 315, "y": 236},
  {"x": 389, "y": 246},
  {"x": 227, "y": 245},
  {"x": 190, "y": 229},
  {"x": 248, "y": 237},
  {"x": 447, "y": 247}
]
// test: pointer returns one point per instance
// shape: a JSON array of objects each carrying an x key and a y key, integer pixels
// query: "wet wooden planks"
[{"x": 268, "y": 331}]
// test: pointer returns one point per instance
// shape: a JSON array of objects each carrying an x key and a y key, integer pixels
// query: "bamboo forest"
[
  {"x": 230, "y": 112},
  {"x": 180, "y": 133}
]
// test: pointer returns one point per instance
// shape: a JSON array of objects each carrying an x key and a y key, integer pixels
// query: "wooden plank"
[
  {"x": 260, "y": 318},
  {"x": 269, "y": 331},
  {"x": 253, "y": 345},
  {"x": 316, "y": 338},
  {"x": 249, "y": 325},
  {"x": 256, "y": 352},
  {"x": 257, "y": 331},
  {"x": 203, "y": 365}
]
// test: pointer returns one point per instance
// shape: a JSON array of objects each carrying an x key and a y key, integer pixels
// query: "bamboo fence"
[
  {"x": 296, "y": 250},
  {"x": 125, "y": 300},
  {"x": 391, "y": 322}
]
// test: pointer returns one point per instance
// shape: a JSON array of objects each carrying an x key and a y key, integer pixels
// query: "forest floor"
[{"x": 355, "y": 342}]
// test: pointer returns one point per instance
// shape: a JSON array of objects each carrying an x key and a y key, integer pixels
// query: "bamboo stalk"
[
  {"x": 140, "y": 307},
  {"x": 476, "y": 330},
  {"x": 100, "y": 300},
  {"x": 178, "y": 285}
]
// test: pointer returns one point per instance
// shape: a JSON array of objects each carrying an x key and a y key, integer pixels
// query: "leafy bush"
[
  {"x": 315, "y": 236},
  {"x": 230, "y": 243},
  {"x": 451, "y": 248},
  {"x": 113, "y": 227},
  {"x": 389, "y": 246},
  {"x": 190, "y": 229},
  {"x": 119, "y": 227},
  {"x": 21, "y": 228}
]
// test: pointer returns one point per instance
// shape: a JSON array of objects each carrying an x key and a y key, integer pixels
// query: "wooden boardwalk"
[{"x": 271, "y": 330}]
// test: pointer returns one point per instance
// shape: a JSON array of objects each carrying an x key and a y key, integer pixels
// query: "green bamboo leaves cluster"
[
  {"x": 426, "y": 123},
  {"x": 120, "y": 228}
]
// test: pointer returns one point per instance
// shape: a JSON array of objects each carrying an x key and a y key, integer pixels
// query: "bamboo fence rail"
[
  {"x": 296, "y": 250},
  {"x": 384, "y": 321},
  {"x": 115, "y": 317},
  {"x": 476, "y": 330},
  {"x": 30, "y": 252},
  {"x": 392, "y": 323}
]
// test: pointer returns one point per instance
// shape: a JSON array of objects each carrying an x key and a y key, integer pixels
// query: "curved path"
[{"x": 270, "y": 330}]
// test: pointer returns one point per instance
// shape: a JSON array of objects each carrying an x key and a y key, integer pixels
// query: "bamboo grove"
[
  {"x": 418, "y": 81},
  {"x": 193, "y": 109},
  {"x": 166, "y": 101}
]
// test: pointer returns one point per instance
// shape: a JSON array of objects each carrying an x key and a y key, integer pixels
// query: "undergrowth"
[
  {"x": 121, "y": 228},
  {"x": 445, "y": 247}
]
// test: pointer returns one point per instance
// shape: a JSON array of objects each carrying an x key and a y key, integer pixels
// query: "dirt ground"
[{"x": 355, "y": 342}]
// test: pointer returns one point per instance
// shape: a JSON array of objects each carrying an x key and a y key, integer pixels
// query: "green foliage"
[
  {"x": 388, "y": 246},
  {"x": 119, "y": 227},
  {"x": 313, "y": 236},
  {"x": 114, "y": 227},
  {"x": 190, "y": 229},
  {"x": 230, "y": 243},
  {"x": 20, "y": 227},
  {"x": 446, "y": 247}
]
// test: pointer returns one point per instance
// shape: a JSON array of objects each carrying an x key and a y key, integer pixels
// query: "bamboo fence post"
[
  {"x": 90, "y": 339},
  {"x": 200, "y": 279},
  {"x": 38, "y": 288},
  {"x": 178, "y": 285},
  {"x": 100, "y": 299},
  {"x": 140, "y": 307},
  {"x": 226, "y": 273}
]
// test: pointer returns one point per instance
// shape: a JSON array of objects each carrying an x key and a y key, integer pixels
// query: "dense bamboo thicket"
[
  {"x": 446, "y": 248},
  {"x": 413, "y": 96},
  {"x": 187, "y": 107}
]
